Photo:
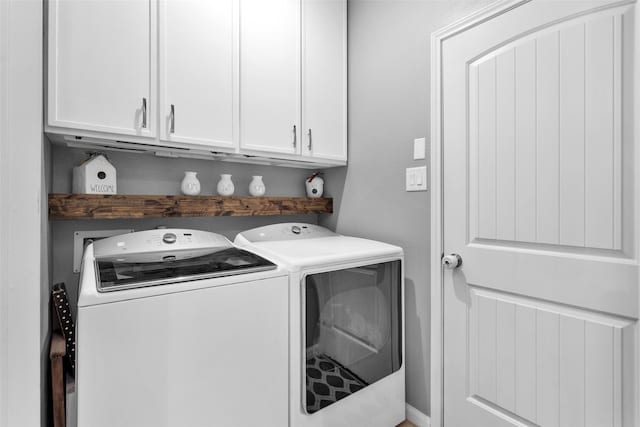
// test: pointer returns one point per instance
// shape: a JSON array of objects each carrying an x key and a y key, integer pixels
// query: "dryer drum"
[{"x": 353, "y": 330}]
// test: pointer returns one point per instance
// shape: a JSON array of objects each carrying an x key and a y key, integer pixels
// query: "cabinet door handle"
[
  {"x": 172, "y": 126},
  {"x": 144, "y": 112},
  {"x": 295, "y": 136},
  {"x": 310, "y": 140}
]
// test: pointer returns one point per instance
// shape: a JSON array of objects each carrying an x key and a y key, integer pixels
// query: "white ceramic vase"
[
  {"x": 225, "y": 185},
  {"x": 256, "y": 187},
  {"x": 190, "y": 185}
]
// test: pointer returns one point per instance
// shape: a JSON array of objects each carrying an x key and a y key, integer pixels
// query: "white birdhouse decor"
[
  {"x": 314, "y": 185},
  {"x": 95, "y": 176}
]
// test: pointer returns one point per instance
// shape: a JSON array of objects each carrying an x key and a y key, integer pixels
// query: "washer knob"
[
  {"x": 296, "y": 230},
  {"x": 169, "y": 238}
]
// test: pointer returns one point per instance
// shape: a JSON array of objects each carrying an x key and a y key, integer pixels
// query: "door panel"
[
  {"x": 197, "y": 40},
  {"x": 270, "y": 76},
  {"x": 100, "y": 56},
  {"x": 542, "y": 362},
  {"x": 324, "y": 78},
  {"x": 539, "y": 195},
  {"x": 562, "y": 88}
]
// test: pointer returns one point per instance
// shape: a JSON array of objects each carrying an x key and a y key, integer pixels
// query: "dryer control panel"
[{"x": 286, "y": 231}]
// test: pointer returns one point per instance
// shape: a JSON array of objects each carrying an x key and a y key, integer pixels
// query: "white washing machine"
[
  {"x": 180, "y": 328},
  {"x": 347, "y": 324}
]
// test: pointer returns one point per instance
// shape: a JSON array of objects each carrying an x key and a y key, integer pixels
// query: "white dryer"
[
  {"x": 180, "y": 328},
  {"x": 347, "y": 324}
]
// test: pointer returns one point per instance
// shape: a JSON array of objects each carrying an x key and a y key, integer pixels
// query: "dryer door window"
[{"x": 353, "y": 330}]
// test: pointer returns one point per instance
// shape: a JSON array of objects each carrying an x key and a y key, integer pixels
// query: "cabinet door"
[
  {"x": 100, "y": 58},
  {"x": 324, "y": 79},
  {"x": 197, "y": 65},
  {"x": 270, "y": 75}
]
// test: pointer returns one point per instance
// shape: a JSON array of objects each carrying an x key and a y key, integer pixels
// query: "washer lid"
[
  {"x": 157, "y": 257},
  {"x": 138, "y": 270}
]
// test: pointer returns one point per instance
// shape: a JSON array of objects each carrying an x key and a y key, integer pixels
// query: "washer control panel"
[
  {"x": 169, "y": 238},
  {"x": 159, "y": 240}
]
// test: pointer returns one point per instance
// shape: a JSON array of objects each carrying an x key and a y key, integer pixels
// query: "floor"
[{"x": 405, "y": 424}]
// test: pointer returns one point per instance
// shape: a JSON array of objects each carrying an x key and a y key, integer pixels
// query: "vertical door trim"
[
  {"x": 636, "y": 145},
  {"x": 23, "y": 274},
  {"x": 4, "y": 190},
  {"x": 437, "y": 221}
]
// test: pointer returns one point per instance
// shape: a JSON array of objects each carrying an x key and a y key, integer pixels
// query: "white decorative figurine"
[
  {"x": 225, "y": 185},
  {"x": 190, "y": 185},
  {"x": 256, "y": 187},
  {"x": 314, "y": 185},
  {"x": 95, "y": 176}
]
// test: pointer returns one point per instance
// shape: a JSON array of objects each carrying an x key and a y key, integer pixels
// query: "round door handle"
[{"x": 451, "y": 261}]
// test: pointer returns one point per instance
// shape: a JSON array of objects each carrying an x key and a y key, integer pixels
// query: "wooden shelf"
[{"x": 99, "y": 206}]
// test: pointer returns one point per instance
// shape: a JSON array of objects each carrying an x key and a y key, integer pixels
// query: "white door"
[
  {"x": 100, "y": 66},
  {"x": 324, "y": 79},
  {"x": 270, "y": 76},
  {"x": 197, "y": 71},
  {"x": 539, "y": 167}
]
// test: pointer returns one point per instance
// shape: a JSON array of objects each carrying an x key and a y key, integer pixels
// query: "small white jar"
[
  {"x": 190, "y": 185},
  {"x": 225, "y": 185},
  {"x": 256, "y": 187}
]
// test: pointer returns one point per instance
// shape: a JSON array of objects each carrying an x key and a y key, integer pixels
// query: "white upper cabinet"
[
  {"x": 246, "y": 78},
  {"x": 198, "y": 64},
  {"x": 324, "y": 79},
  {"x": 270, "y": 76},
  {"x": 101, "y": 76}
]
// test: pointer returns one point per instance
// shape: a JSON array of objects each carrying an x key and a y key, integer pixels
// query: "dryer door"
[{"x": 353, "y": 330}]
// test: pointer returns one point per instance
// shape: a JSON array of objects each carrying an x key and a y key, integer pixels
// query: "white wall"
[
  {"x": 389, "y": 107},
  {"x": 21, "y": 343}
]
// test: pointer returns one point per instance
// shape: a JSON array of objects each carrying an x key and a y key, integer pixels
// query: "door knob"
[{"x": 451, "y": 261}]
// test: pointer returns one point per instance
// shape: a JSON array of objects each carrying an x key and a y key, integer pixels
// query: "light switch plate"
[
  {"x": 419, "y": 148},
  {"x": 416, "y": 179}
]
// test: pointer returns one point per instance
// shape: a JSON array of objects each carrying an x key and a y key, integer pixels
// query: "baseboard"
[{"x": 416, "y": 417}]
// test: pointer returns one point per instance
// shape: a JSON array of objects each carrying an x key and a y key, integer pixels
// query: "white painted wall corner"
[{"x": 416, "y": 417}]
